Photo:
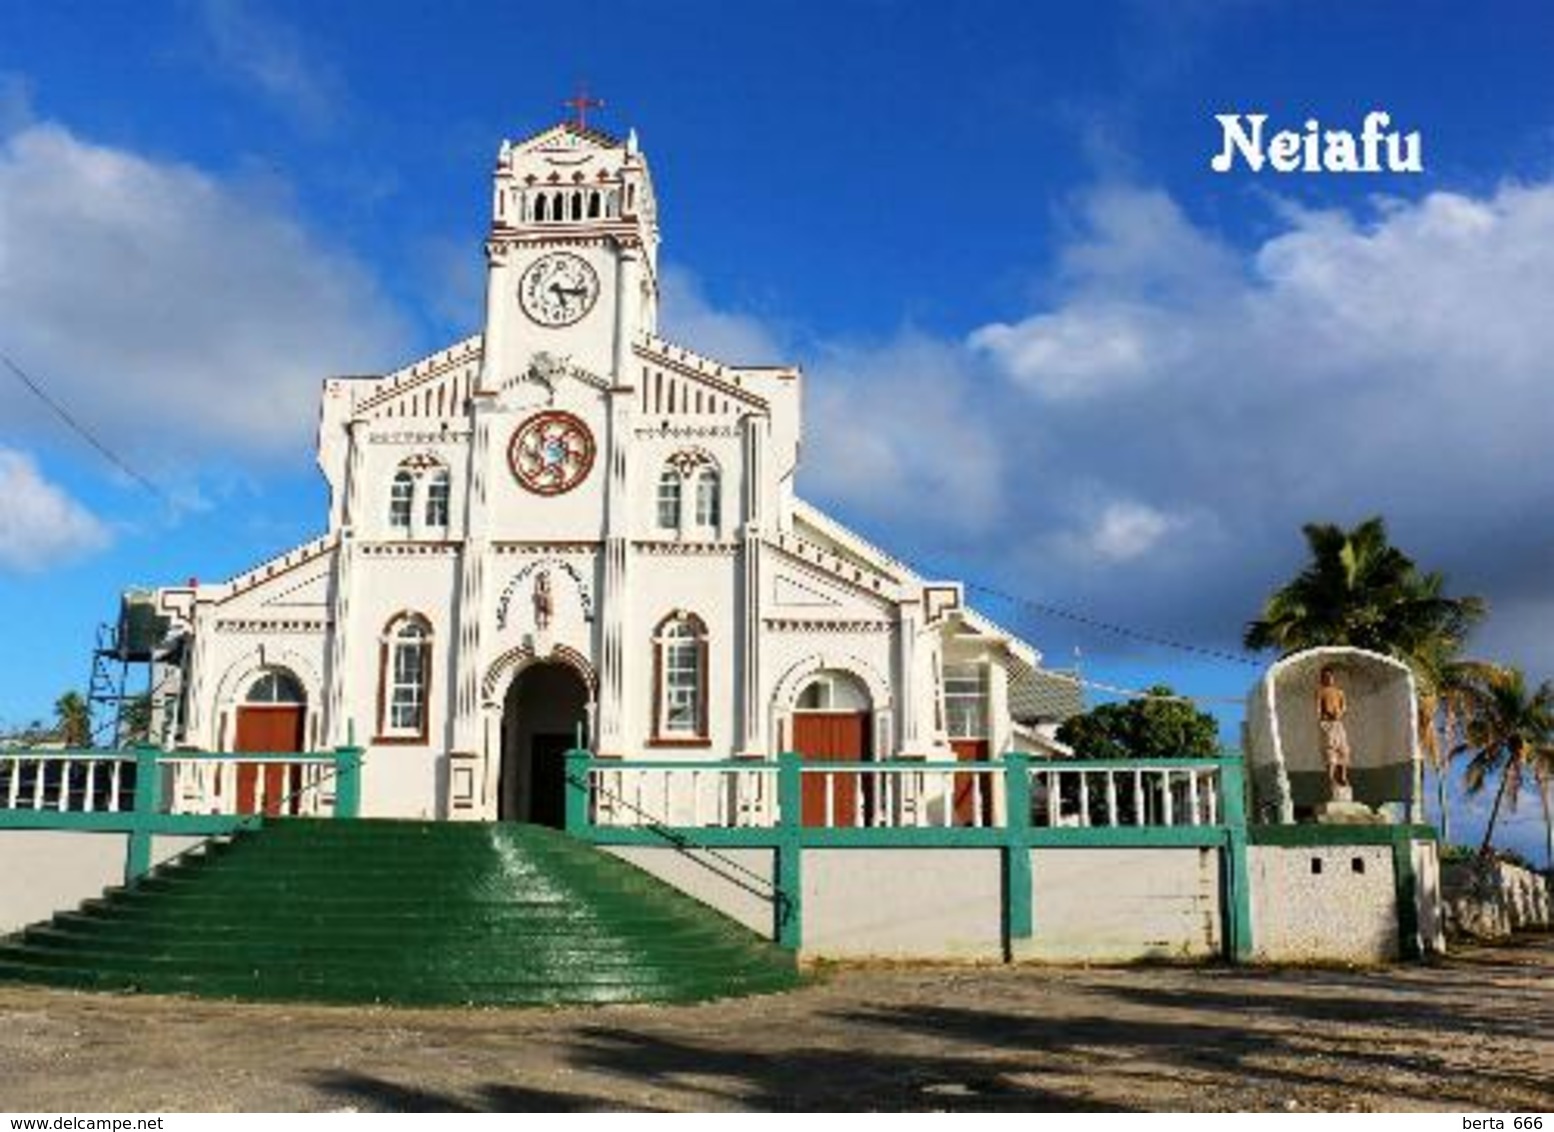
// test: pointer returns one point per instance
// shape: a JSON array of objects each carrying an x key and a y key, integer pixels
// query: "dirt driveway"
[{"x": 1474, "y": 1033}]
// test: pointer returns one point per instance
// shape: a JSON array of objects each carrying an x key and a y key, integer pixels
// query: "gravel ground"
[{"x": 1473, "y": 1033}]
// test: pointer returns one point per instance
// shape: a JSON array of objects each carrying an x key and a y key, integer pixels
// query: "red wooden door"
[
  {"x": 832, "y": 736},
  {"x": 973, "y": 792},
  {"x": 270, "y": 728}
]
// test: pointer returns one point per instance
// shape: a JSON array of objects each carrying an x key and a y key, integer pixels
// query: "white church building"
[{"x": 565, "y": 527}]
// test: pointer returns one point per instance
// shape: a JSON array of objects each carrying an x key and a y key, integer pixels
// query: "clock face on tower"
[
  {"x": 551, "y": 453},
  {"x": 558, "y": 289}
]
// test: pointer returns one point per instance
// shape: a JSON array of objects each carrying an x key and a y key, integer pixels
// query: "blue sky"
[{"x": 1097, "y": 374}]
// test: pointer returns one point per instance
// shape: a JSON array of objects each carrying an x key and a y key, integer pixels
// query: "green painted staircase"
[{"x": 412, "y": 913}]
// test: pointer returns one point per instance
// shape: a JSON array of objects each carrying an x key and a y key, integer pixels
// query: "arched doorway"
[
  {"x": 269, "y": 721},
  {"x": 831, "y": 724},
  {"x": 545, "y": 706}
]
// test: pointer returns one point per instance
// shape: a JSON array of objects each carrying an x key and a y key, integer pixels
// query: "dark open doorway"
[{"x": 546, "y": 704}]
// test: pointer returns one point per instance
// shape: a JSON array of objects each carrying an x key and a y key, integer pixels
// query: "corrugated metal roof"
[{"x": 1044, "y": 695}]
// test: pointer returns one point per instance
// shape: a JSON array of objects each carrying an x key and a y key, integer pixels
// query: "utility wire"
[
  {"x": 1138, "y": 693},
  {"x": 1049, "y": 610},
  {"x": 82, "y": 431}
]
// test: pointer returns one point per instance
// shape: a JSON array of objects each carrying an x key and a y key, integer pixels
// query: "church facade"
[{"x": 567, "y": 529}]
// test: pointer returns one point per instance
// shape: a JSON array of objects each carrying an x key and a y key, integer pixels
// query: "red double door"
[
  {"x": 267, "y": 729},
  {"x": 833, "y": 737},
  {"x": 843, "y": 736},
  {"x": 973, "y": 792}
]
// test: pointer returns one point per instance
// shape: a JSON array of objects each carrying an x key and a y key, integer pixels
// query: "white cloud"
[
  {"x": 689, "y": 319},
  {"x": 1089, "y": 350},
  {"x": 1174, "y": 412},
  {"x": 897, "y": 433},
  {"x": 1126, "y": 530},
  {"x": 180, "y": 315},
  {"x": 40, "y": 525},
  {"x": 260, "y": 50}
]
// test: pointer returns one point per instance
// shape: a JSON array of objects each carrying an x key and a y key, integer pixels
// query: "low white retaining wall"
[
  {"x": 1491, "y": 900},
  {"x": 43, "y": 871}
]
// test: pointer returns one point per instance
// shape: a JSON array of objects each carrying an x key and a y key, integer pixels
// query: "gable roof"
[{"x": 562, "y": 130}]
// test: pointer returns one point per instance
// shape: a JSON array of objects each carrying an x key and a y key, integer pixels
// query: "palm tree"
[
  {"x": 1510, "y": 732},
  {"x": 1445, "y": 687},
  {"x": 73, "y": 720},
  {"x": 1360, "y": 590},
  {"x": 1544, "y": 770}
]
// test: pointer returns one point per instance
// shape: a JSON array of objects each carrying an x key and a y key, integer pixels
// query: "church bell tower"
[{"x": 572, "y": 253}]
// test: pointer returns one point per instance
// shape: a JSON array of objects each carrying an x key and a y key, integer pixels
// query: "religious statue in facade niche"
[
  {"x": 544, "y": 604},
  {"x": 1332, "y": 705}
]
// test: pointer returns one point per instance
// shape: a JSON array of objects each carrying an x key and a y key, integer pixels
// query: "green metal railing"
[
  {"x": 1007, "y": 823},
  {"x": 137, "y": 792}
]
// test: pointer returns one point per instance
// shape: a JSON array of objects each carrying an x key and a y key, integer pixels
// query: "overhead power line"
[
  {"x": 81, "y": 430},
  {"x": 1049, "y": 610}
]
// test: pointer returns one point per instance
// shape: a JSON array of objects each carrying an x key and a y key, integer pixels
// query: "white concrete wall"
[
  {"x": 903, "y": 904},
  {"x": 721, "y": 881},
  {"x": 48, "y": 871},
  {"x": 166, "y": 846},
  {"x": 1494, "y": 901},
  {"x": 1338, "y": 914},
  {"x": 1124, "y": 904},
  {"x": 1428, "y": 897}
]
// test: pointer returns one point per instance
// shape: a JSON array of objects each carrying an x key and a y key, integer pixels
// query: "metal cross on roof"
[{"x": 581, "y": 104}]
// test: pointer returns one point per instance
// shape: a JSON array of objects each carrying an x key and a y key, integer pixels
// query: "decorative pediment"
[
  {"x": 789, "y": 591},
  {"x": 546, "y": 372},
  {"x": 308, "y": 592}
]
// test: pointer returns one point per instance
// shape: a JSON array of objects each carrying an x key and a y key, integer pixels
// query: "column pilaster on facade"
[
  {"x": 471, "y": 594},
  {"x": 613, "y": 628},
  {"x": 752, "y": 709},
  {"x": 628, "y": 273},
  {"x": 615, "y": 620},
  {"x": 915, "y": 678},
  {"x": 197, "y": 721},
  {"x": 337, "y": 660},
  {"x": 351, "y": 506},
  {"x": 1000, "y": 731}
]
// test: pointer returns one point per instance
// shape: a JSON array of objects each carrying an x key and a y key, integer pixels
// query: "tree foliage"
[
  {"x": 73, "y": 720},
  {"x": 1160, "y": 726},
  {"x": 1509, "y": 733},
  {"x": 1360, "y": 590}
]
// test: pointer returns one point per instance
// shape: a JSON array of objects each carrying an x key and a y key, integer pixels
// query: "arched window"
[
  {"x": 401, "y": 495},
  {"x": 680, "y": 682},
  {"x": 539, "y": 208},
  {"x": 830, "y": 690},
  {"x": 593, "y": 205},
  {"x": 437, "y": 489},
  {"x": 669, "y": 499},
  {"x": 275, "y": 686},
  {"x": 709, "y": 501},
  {"x": 404, "y": 680}
]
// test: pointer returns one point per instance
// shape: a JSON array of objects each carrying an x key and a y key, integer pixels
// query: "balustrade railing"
[
  {"x": 146, "y": 792},
  {"x": 1013, "y": 804},
  {"x": 1086, "y": 795},
  {"x": 714, "y": 795},
  {"x": 67, "y": 781},
  {"x": 147, "y": 781},
  {"x": 905, "y": 794}
]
